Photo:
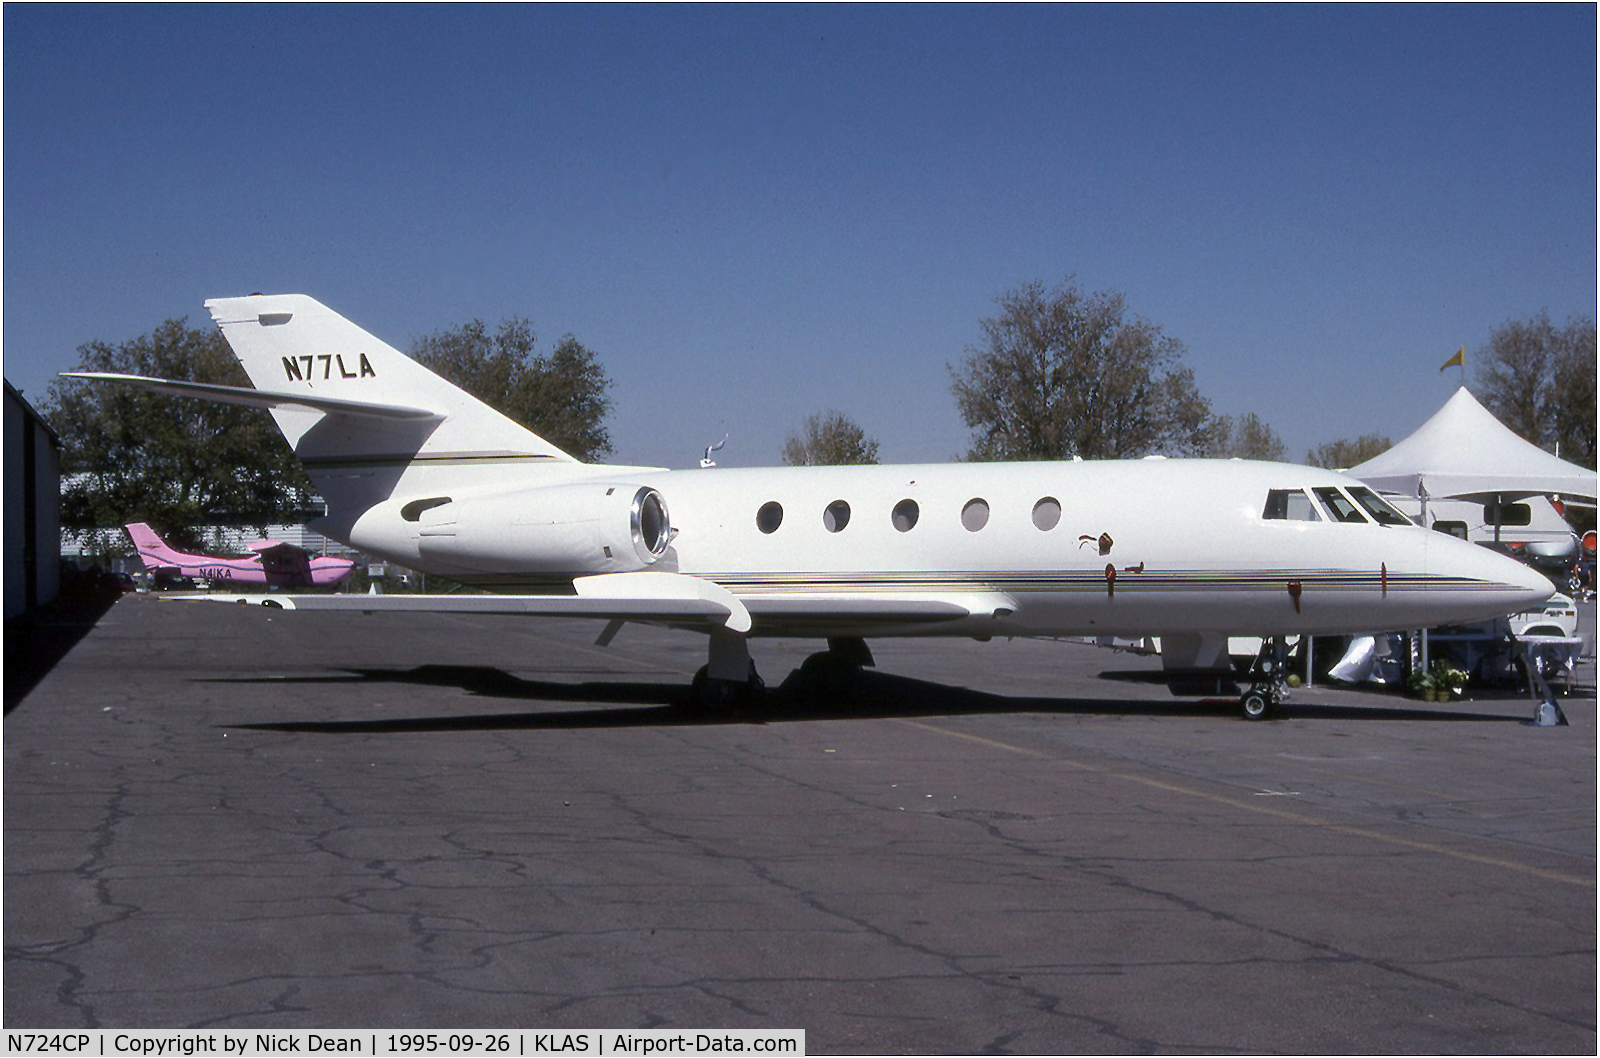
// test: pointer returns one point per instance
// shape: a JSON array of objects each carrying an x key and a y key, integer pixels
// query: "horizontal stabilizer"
[{"x": 258, "y": 398}]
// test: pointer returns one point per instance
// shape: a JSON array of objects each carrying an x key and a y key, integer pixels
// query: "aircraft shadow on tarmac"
[{"x": 868, "y": 695}]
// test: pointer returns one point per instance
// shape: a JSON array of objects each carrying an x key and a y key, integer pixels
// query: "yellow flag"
[{"x": 1459, "y": 360}]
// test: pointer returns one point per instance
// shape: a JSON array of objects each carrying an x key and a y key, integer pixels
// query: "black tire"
[
  {"x": 827, "y": 675},
  {"x": 724, "y": 697},
  {"x": 1256, "y": 705}
]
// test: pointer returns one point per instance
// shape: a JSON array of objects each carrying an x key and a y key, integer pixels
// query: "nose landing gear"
[{"x": 1268, "y": 686}]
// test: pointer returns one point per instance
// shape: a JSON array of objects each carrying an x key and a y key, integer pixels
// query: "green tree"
[
  {"x": 1344, "y": 454},
  {"x": 1065, "y": 373},
  {"x": 1244, "y": 437},
  {"x": 1539, "y": 379},
  {"x": 128, "y": 455},
  {"x": 561, "y": 397},
  {"x": 831, "y": 439}
]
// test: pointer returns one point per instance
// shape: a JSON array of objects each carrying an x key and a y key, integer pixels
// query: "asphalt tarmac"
[{"x": 229, "y": 817}]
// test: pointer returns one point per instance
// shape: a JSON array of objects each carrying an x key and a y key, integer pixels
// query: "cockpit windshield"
[
  {"x": 1294, "y": 505},
  {"x": 1290, "y": 505},
  {"x": 1338, "y": 505},
  {"x": 1381, "y": 512}
]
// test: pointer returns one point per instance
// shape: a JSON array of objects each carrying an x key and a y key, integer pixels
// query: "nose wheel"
[{"x": 1257, "y": 705}]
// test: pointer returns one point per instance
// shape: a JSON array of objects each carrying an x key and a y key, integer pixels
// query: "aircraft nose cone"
[
  {"x": 1508, "y": 584},
  {"x": 1528, "y": 585}
]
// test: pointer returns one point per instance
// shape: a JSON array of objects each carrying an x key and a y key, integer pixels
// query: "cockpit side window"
[
  {"x": 1338, "y": 505},
  {"x": 1291, "y": 505},
  {"x": 1381, "y": 512}
]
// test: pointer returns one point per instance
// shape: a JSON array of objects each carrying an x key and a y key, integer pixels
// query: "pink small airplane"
[{"x": 274, "y": 563}]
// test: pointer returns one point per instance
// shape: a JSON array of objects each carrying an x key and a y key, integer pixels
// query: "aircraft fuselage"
[{"x": 1070, "y": 548}]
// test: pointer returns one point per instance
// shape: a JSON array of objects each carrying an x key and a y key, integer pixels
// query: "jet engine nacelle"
[{"x": 582, "y": 528}]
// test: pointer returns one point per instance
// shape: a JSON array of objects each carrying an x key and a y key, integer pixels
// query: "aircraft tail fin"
[
  {"x": 153, "y": 550},
  {"x": 292, "y": 344},
  {"x": 369, "y": 423}
]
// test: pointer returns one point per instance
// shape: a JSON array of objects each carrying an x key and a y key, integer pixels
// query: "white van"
[{"x": 1557, "y": 617}]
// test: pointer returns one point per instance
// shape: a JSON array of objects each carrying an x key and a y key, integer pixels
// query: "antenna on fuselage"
[{"x": 706, "y": 462}]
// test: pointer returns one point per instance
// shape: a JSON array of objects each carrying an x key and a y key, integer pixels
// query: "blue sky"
[{"x": 757, "y": 213}]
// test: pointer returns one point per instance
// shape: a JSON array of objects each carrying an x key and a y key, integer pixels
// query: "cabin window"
[
  {"x": 1047, "y": 514},
  {"x": 1291, "y": 505},
  {"x": 412, "y": 511},
  {"x": 1338, "y": 505},
  {"x": 1455, "y": 529},
  {"x": 1507, "y": 514},
  {"x": 836, "y": 516},
  {"x": 975, "y": 515},
  {"x": 770, "y": 516},
  {"x": 1380, "y": 510},
  {"x": 905, "y": 515}
]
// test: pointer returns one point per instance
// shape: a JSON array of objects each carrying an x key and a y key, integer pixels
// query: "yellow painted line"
[
  {"x": 1260, "y": 809},
  {"x": 991, "y": 743},
  {"x": 1305, "y": 764},
  {"x": 1370, "y": 780}
]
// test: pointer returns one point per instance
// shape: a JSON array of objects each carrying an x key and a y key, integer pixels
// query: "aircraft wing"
[
  {"x": 268, "y": 547},
  {"x": 257, "y": 398},
  {"x": 843, "y": 613},
  {"x": 674, "y": 599},
  {"x": 667, "y": 598}
]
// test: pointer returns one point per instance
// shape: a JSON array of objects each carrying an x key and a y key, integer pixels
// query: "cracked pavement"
[{"x": 221, "y": 816}]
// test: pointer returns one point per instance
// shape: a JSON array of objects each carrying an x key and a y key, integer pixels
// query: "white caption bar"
[{"x": 186, "y": 1043}]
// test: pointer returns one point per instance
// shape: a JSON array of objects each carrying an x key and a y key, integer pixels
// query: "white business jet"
[{"x": 422, "y": 474}]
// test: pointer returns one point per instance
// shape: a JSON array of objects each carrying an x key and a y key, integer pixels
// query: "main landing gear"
[
  {"x": 718, "y": 697},
  {"x": 728, "y": 681},
  {"x": 1267, "y": 675},
  {"x": 831, "y": 673}
]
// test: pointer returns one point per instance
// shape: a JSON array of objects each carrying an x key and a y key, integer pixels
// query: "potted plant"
[
  {"x": 1448, "y": 680},
  {"x": 1420, "y": 683}
]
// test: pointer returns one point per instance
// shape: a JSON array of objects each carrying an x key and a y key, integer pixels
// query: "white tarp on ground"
[{"x": 1465, "y": 451}]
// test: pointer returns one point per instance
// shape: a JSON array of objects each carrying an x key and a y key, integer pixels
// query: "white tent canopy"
[{"x": 1465, "y": 451}]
